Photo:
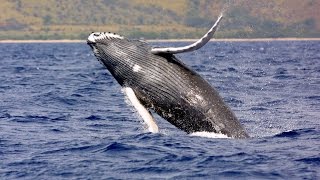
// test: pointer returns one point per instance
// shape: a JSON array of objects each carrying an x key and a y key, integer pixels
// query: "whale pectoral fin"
[
  {"x": 192, "y": 47},
  {"x": 144, "y": 113}
]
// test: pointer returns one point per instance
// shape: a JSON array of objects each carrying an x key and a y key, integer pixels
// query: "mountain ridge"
[{"x": 151, "y": 19}]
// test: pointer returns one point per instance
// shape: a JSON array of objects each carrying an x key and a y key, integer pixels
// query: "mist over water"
[{"x": 62, "y": 115}]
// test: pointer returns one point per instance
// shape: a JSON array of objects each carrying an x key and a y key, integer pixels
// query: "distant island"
[{"x": 165, "y": 19}]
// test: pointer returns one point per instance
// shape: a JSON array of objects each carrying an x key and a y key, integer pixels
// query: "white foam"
[{"x": 209, "y": 134}]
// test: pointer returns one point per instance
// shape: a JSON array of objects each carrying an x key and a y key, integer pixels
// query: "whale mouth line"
[{"x": 90, "y": 42}]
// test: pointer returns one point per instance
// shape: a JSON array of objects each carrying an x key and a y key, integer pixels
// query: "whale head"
[{"x": 121, "y": 56}]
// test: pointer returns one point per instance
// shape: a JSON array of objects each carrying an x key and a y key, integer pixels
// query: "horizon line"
[{"x": 164, "y": 40}]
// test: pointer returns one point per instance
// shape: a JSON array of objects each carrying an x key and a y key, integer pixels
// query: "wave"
[{"x": 296, "y": 132}]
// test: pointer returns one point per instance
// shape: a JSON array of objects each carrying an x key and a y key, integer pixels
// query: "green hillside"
[{"x": 151, "y": 19}]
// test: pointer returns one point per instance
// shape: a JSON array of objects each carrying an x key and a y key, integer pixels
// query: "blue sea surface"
[{"x": 63, "y": 116}]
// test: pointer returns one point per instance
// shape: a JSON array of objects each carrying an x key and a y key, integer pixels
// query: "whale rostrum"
[{"x": 154, "y": 79}]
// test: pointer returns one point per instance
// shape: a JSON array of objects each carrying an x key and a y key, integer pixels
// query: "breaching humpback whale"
[{"x": 154, "y": 79}]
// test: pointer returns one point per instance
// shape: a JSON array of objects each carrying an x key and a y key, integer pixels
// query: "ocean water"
[{"x": 63, "y": 116}]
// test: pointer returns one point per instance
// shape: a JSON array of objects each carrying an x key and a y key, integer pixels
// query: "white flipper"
[
  {"x": 192, "y": 47},
  {"x": 144, "y": 113}
]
